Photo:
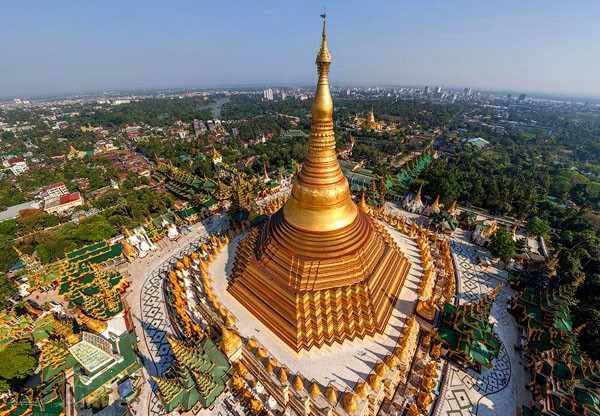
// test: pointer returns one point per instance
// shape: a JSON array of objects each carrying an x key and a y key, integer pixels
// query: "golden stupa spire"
[
  {"x": 452, "y": 209},
  {"x": 320, "y": 199},
  {"x": 436, "y": 204},
  {"x": 418, "y": 196}
]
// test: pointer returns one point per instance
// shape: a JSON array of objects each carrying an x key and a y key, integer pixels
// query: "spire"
[
  {"x": 418, "y": 196},
  {"x": 371, "y": 119},
  {"x": 363, "y": 203},
  {"x": 324, "y": 56},
  {"x": 436, "y": 204},
  {"x": 320, "y": 199},
  {"x": 452, "y": 209}
]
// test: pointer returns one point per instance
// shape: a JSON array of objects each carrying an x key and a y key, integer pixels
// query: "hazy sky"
[{"x": 94, "y": 45}]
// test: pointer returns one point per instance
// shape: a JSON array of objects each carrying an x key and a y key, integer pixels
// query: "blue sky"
[{"x": 92, "y": 45}]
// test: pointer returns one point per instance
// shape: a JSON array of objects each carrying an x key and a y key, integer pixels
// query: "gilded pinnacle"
[{"x": 324, "y": 56}]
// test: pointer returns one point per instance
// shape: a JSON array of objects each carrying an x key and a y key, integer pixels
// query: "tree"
[
  {"x": 502, "y": 245},
  {"x": 7, "y": 290},
  {"x": 94, "y": 229},
  {"x": 539, "y": 227},
  {"x": 17, "y": 362}
]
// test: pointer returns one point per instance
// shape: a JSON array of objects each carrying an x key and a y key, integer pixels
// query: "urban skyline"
[{"x": 88, "y": 48}]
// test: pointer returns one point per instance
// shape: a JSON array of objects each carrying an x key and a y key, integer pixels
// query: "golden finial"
[
  {"x": 418, "y": 196},
  {"x": 364, "y": 207},
  {"x": 322, "y": 108},
  {"x": 452, "y": 209},
  {"x": 324, "y": 56}
]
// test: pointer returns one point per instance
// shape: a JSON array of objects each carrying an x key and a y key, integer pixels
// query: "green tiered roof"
[
  {"x": 466, "y": 332},
  {"x": 199, "y": 375},
  {"x": 564, "y": 378},
  {"x": 13, "y": 326},
  {"x": 396, "y": 185},
  {"x": 444, "y": 220},
  {"x": 45, "y": 400},
  {"x": 96, "y": 292},
  {"x": 96, "y": 253}
]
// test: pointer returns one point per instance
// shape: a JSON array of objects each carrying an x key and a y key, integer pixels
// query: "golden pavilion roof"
[{"x": 319, "y": 270}]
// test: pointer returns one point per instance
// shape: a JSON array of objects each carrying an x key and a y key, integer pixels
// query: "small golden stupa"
[
  {"x": 230, "y": 341},
  {"x": 318, "y": 272}
]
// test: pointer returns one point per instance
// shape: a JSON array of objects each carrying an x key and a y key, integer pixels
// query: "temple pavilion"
[
  {"x": 466, "y": 333},
  {"x": 319, "y": 271},
  {"x": 565, "y": 381},
  {"x": 199, "y": 375}
]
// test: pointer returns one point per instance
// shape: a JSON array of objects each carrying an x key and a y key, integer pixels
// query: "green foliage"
[
  {"x": 539, "y": 227},
  {"x": 10, "y": 195},
  {"x": 93, "y": 229},
  {"x": 7, "y": 290},
  {"x": 502, "y": 245},
  {"x": 152, "y": 111},
  {"x": 8, "y": 256},
  {"x": 17, "y": 362}
]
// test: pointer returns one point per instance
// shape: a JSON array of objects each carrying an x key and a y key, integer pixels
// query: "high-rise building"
[
  {"x": 320, "y": 270},
  {"x": 426, "y": 91},
  {"x": 467, "y": 92},
  {"x": 438, "y": 89},
  {"x": 268, "y": 94}
]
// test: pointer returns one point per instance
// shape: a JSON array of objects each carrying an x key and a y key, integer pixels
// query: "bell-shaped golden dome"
[
  {"x": 261, "y": 354},
  {"x": 331, "y": 394},
  {"x": 251, "y": 343},
  {"x": 349, "y": 402},
  {"x": 241, "y": 369},
  {"x": 230, "y": 341},
  {"x": 391, "y": 361},
  {"x": 237, "y": 381},
  {"x": 271, "y": 364},
  {"x": 298, "y": 382},
  {"x": 283, "y": 374},
  {"x": 314, "y": 389},
  {"x": 256, "y": 406},
  {"x": 362, "y": 389},
  {"x": 374, "y": 381},
  {"x": 229, "y": 320},
  {"x": 380, "y": 370}
]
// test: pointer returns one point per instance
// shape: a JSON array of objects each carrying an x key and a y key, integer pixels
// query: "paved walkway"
[
  {"x": 145, "y": 299},
  {"x": 499, "y": 390}
]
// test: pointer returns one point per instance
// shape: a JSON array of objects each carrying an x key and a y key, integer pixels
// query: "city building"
[
  {"x": 268, "y": 94},
  {"x": 54, "y": 190},
  {"x": 17, "y": 165},
  {"x": 63, "y": 204}
]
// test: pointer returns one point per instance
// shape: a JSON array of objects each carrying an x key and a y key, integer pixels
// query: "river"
[{"x": 217, "y": 105}]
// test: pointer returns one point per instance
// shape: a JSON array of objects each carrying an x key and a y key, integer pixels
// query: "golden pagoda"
[{"x": 319, "y": 271}]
